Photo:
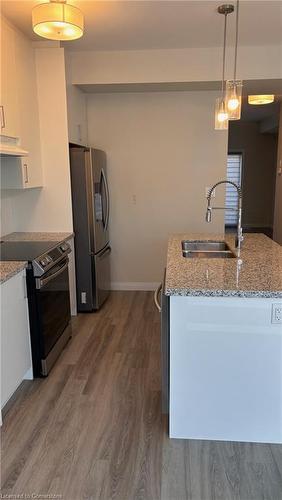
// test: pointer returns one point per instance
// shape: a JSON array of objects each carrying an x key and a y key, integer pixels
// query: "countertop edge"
[
  {"x": 13, "y": 268},
  {"x": 249, "y": 294}
]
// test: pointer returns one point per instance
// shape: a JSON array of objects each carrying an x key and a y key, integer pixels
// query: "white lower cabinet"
[
  {"x": 16, "y": 362},
  {"x": 225, "y": 369}
]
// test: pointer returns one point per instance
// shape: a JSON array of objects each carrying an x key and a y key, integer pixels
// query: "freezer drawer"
[{"x": 102, "y": 278}]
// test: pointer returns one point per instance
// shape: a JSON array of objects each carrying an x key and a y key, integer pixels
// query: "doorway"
[{"x": 252, "y": 163}]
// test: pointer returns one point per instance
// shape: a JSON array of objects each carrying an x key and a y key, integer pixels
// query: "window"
[{"x": 234, "y": 173}]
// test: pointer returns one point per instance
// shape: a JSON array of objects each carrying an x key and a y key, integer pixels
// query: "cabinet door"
[
  {"x": 15, "y": 173},
  {"x": 28, "y": 112},
  {"x": 225, "y": 369},
  {"x": 9, "y": 83},
  {"x": 15, "y": 339},
  {"x": 77, "y": 115}
]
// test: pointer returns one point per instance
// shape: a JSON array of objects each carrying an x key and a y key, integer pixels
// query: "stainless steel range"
[{"x": 48, "y": 297}]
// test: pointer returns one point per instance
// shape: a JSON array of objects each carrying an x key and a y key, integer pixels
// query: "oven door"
[{"x": 53, "y": 302}]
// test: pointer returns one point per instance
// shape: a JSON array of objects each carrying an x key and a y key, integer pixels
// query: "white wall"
[
  {"x": 8, "y": 218},
  {"x": 177, "y": 65},
  {"x": 162, "y": 150}
]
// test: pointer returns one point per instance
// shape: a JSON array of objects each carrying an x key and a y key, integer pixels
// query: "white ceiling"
[{"x": 136, "y": 25}]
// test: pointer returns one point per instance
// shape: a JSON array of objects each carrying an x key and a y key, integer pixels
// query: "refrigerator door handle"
[
  {"x": 107, "y": 250},
  {"x": 107, "y": 199}
]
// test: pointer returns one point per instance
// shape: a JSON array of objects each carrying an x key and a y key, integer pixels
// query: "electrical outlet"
[
  {"x": 276, "y": 316},
  {"x": 83, "y": 297},
  {"x": 208, "y": 190}
]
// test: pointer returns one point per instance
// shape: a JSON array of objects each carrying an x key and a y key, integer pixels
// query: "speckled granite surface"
[
  {"x": 30, "y": 236},
  {"x": 9, "y": 269},
  {"x": 256, "y": 273}
]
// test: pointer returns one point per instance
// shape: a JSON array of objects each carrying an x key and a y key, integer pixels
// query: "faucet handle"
[{"x": 208, "y": 214}]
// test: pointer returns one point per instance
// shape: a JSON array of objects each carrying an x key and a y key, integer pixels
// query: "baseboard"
[
  {"x": 29, "y": 374},
  {"x": 134, "y": 285}
]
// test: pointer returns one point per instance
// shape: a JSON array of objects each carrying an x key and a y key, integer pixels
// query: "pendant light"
[
  {"x": 260, "y": 99},
  {"x": 221, "y": 113},
  {"x": 57, "y": 20},
  {"x": 233, "y": 94}
]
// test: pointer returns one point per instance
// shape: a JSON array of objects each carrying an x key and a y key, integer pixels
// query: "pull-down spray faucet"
[{"x": 239, "y": 237}]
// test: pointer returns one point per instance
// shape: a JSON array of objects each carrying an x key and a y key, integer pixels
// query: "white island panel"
[{"x": 225, "y": 369}]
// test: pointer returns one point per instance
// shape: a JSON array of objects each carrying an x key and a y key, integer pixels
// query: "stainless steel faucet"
[{"x": 239, "y": 237}]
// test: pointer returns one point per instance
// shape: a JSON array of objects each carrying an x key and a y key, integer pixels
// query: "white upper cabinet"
[
  {"x": 9, "y": 114},
  {"x": 77, "y": 121},
  {"x": 17, "y": 173},
  {"x": 20, "y": 110},
  {"x": 77, "y": 114}
]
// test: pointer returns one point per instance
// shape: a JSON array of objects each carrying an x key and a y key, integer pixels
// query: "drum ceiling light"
[{"x": 57, "y": 20}]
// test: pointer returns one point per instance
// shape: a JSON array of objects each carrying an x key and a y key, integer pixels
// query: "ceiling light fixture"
[
  {"x": 57, "y": 20},
  {"x": 221, "y": 113},
  {"x": 260, "y": 99},
  {"x": 233, "y": 95}
]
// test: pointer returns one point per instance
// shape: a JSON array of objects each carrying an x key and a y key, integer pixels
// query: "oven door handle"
[{"x": 40, "y": 283}]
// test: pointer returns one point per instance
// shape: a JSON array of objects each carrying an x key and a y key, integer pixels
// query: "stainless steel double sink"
[{"x": 206, "y": 249}]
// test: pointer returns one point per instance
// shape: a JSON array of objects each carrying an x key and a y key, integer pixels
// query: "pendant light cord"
[
  {"x": 236, "y": 39},
  {"x": 223, "y": 58}
]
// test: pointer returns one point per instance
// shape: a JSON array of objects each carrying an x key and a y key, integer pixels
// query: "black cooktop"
[{"x": 25, "y": 250}]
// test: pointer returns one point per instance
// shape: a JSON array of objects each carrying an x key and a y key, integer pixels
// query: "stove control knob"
[
  {"x": 64, "y": 247},
  {"x": 43, "y": 262}
]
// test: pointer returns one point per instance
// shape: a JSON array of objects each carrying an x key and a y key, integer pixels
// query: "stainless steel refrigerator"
[{"x": 91, "y": 210}]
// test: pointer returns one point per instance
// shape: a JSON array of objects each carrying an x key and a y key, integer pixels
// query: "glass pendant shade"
[
  {"x": 57, "y": 21},
  {"x": 221, "y": 115},
  {"x": 233, "y": 99}
]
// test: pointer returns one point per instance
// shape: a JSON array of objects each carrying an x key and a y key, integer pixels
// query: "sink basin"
[{"x": 206, "y": 249}]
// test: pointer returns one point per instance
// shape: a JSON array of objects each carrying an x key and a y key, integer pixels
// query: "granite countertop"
[
  {"x": 257, "y": 272},
  {"x": 36, "y": 236},
  {"x": 9, "y": 269}
]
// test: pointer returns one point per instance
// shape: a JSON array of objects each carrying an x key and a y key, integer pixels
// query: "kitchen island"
[{"x": 225, "y": 347}]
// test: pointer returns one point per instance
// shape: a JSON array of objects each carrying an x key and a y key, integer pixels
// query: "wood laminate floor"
[{"x": 94, "y": 430}]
